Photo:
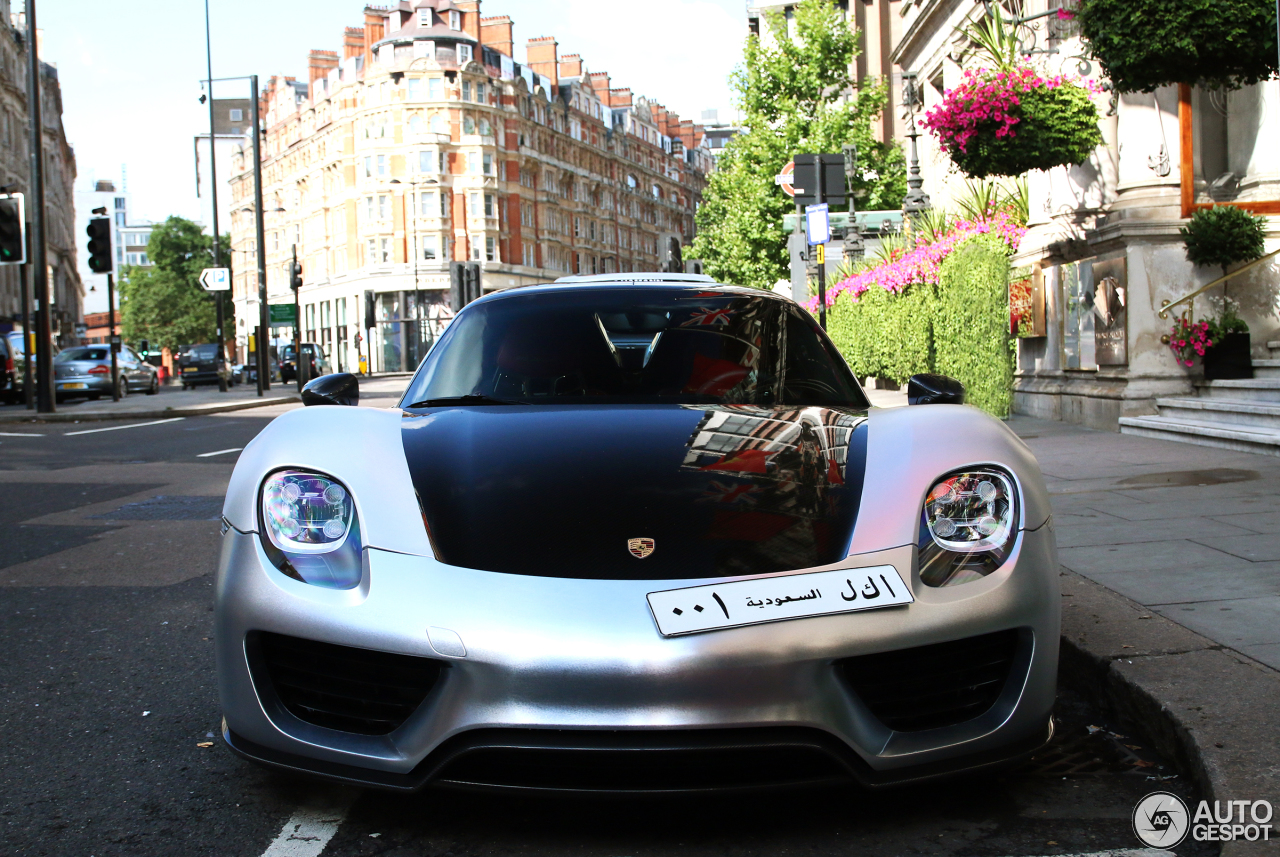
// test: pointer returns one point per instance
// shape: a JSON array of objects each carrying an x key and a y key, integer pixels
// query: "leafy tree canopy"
[
  {"x": 165, "y": 303},
  {"x": 796, "y": 97},
  {"x": 1144, "y": 44}
]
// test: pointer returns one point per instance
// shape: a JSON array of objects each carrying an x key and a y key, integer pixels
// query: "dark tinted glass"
[
  {"x": 203, "y": 352},
  {"x": 81, "y": 354},
  {"x": 621, "y": 345}
]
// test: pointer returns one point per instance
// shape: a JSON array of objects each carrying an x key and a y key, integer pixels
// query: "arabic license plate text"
[{"x": 770, "y": 599}]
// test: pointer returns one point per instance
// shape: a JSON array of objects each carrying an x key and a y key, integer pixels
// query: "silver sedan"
[{"x": 86, "y": 371}]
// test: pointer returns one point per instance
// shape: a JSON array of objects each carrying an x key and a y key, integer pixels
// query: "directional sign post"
[
  {"x": 817, "y": 226},
  {"x": 216, "y": 279}
]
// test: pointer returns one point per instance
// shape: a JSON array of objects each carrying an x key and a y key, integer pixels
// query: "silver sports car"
[{"x": 639, "y": 533}]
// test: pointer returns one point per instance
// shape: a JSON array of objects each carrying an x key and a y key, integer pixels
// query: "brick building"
[
  {"x": 66, "y": 294},
  {"x": 426, "y": 142}
]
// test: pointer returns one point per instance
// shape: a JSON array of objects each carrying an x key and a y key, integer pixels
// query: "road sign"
[
  {"x": 283, "y": 314},
  {"x": 817, "y": 223},
  {"x": 216, "y": 279},
  {"x": 787, "y": 179}
]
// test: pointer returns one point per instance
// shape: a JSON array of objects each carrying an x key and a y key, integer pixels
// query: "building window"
[
  {"x": 384, "y": 247},
  {"x": 488, "y": 164},
  {"x": 368, "y": 208},
  {"x": 488, "y": 206},
  {"x": 473, "y": 162},
  {"x": 438, "y": 125},
  {"x": 382, "y": 165},
  {"x": 427, "y": 161},
  {"x": 491, "y": 249},
  {"x": 236, "y": 114},
  {"x": 591, "y": 230},
  {"x": 434, "y": 91},
  {"x": 415, "y": 124},
  {"x": 455, "y": 20},
  {"x": 477, "y": 243},
  {"x": 528, "y": 255},
  {"x": 466, "y": 90},
  {"x": 415, "y": 88},
  {"x": 368, "y": 166},
  {"x": 372, "y": 252},
  {"x": 464, "y": 53},
  {"x": 444, "y": 204},
  {"x": 474, "y": 209},
  {"x": 424, "y": 17},
  {"x": 384, "y": 206},
  {"x": 427, "y": 204},
  {"x": 577, "y": 227},
  {"x": 430, "y": 246}
]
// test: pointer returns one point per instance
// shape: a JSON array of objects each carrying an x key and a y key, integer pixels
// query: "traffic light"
[
  {"x": 464, "y": 283},
  {"x": 13, "y": 239},
  {"x": 370, "y": 316},
  {"x": 99, "y": 232},
  {"x": 144, "y": 348},
  {"x": 295, "y": 276}
]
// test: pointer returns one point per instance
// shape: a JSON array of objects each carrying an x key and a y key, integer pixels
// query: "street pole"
[
  {"x": 260, "y": 241},
  {"x": 417, "y": 295},
  {"x": 213, "y": 190},
  {"x": 822, "y": 286},
  {"x": 301, "y": 375},
  {"x": 111, "y": 337},
  {"x": 28, "y": 389},
  {"x": 45, "y": 399}
]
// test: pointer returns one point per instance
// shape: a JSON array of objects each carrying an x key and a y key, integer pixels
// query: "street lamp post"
[
  {"x": 916, "y": 201},
  {"x": 213, "y": 190}
]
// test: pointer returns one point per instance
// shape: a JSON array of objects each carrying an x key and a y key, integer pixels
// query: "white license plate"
[
  {"x": 770, "y": 599},
  {"x": 74, "y": 386}
]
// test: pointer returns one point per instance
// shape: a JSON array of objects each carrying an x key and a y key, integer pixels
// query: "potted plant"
[
  {"x": 1228, "y": 355},
  {"x": 1225, "y": 235},
  {"x": 1007, "y": 119}
]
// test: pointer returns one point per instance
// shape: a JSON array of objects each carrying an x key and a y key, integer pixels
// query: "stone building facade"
[
  {"x": 65, "y": 289},
  {"x": 1103, "y": 241},
  {"x": 425, "y": 142}
]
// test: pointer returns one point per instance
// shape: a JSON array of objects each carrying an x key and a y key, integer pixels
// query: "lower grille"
[
  {"x": 928, "y": 687},
  {"x": 341, "y": 687},
  {"x": 642, "y": 761}
]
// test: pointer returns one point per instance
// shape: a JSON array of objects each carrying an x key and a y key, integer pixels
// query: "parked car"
[
  {"x": 15, "y": 341},
  {"x": 85, "y": 370},
  {"x": 317, "y": 363},
  {"x": 636, "y": 533},
  {"x": 201, "y": 364},
  {"x": 249, "y": 371}
]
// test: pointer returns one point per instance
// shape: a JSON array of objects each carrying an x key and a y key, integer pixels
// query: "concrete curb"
[
  {"x": 154, "y": 414},
  {"x": 1212, "y": 710}
]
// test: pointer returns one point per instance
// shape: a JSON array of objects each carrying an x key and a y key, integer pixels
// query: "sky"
[{"x": 131, "y": 72}]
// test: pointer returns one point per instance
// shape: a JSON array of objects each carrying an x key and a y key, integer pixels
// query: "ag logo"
[
  {"x": 640, "y": 548},
  {"x": 1161, "y": 820}
]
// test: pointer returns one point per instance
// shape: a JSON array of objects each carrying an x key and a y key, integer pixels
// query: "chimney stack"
[
  {"x": 320, "y": 63},
  {"x": 541, "y": 57},
  {"x": 498, "y": 33},
  {"x": 352, "y": 42},
  {"x": 570, "y": 66}
]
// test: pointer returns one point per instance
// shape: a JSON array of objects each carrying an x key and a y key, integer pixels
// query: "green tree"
[
  {"x": 795, "y": 97},
  {"x": 165, "y": 303}
]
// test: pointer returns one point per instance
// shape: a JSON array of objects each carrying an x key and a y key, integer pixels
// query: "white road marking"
[
  {"x": 219, "y": 452},
  {"x": 19, "y": 434},
  {"x": 131, "y": 425},
  {"x": 309, "y": 830}
]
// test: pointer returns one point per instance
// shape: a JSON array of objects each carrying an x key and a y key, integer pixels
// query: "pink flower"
[{"x": 1065, "y": 15}]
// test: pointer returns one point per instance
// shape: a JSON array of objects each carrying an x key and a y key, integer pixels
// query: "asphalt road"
[{"x": 110, "y": 541}]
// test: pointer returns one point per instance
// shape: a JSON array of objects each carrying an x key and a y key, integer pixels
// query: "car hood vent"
[{"x": 637, "y": 492}]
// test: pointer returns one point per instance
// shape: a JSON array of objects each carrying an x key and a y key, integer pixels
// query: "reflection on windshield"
[
  {"x": 81, "y": 354},
  {"x": 621, "y": 345}
]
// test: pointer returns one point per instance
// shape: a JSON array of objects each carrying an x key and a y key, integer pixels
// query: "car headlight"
[
  {"x": 967, "y": 527},
  {"x": 310, "y": 528}
]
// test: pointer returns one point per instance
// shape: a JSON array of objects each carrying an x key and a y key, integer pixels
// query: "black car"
[
  {"x": 201, "y": 364},
  {"x": 317, "y": 364}
]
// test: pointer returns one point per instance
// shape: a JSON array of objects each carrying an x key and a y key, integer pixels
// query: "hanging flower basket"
[{"x": 1006, "y": 123}]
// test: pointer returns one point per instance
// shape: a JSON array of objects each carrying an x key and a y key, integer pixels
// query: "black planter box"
[{"x": 1228, "y": 358}]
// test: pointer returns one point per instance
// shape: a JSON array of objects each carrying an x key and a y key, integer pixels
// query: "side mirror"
[
  {"x": 933, "y": 390},
  {"x": 340, "y": 388}
]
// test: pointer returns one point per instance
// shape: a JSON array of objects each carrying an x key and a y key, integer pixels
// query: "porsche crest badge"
[{"x": 640, "y": 548}]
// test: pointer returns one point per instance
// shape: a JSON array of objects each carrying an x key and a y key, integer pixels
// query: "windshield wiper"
[{"x": 460, "y": 400}]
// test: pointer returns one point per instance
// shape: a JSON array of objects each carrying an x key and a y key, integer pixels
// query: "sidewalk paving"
[
  {"x": 1187, "y": 531},
  {"x": 170, "y": 401}
]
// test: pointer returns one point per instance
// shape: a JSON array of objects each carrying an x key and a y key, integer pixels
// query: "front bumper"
[
  {"x": 553, "y": 664},
  {"x": 83, "y": 384}
]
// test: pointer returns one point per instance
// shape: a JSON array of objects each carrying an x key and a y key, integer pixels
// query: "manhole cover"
[
  {"x": 1089, "y": 753},
  {"x": 1182, "y": 478},
  {"x": 169, "y": 509}
]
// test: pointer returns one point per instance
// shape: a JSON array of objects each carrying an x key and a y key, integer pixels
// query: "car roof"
[
  {"x": 647, "y": 277},
  {"x": 642, "y": 279}
]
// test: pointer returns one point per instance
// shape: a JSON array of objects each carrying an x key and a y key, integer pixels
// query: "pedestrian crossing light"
[
  {"x": 13, "y": 241},
  {"x": 99, "y": 232}
]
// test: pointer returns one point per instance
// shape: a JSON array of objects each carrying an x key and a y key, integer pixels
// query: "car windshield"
[
  {"x": 635, "y": 345},
  {"x": 81, "y": 354},
  {"x": 15, "y": 342},
  {"x": 202, "y": 352}
]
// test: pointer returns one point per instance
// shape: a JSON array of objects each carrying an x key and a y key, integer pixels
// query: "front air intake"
[
  {"x": 341, "y": 687},
  {"x": 928, "y": 687}
]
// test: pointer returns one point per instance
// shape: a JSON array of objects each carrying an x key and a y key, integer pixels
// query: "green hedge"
[{"x": 959, "y": 327}]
